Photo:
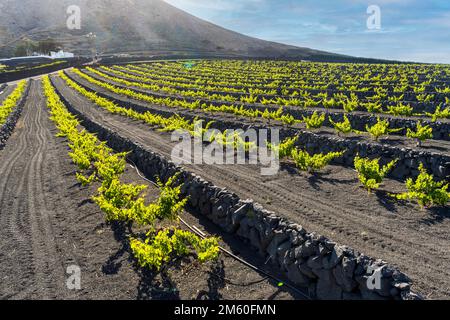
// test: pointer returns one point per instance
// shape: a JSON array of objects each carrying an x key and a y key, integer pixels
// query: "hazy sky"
[{"x": 410, "y": 29}]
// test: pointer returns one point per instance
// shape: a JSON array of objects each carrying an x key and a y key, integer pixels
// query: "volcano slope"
[{"x": 132, "y": 26}]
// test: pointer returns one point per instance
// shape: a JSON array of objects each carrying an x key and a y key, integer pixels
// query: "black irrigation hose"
[
  {"x": 238, "y": 284},
  {"x": 203, "y": 236}
]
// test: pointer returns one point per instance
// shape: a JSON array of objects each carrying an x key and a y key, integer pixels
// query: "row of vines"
[
  {"x": 126, "y": 203},
  {"x": 10, "y": 103}
]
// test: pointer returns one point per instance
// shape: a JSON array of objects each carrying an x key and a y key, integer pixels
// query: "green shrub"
[
  {"x": 425, "y": 190},
  {"x": 400, "y": 110},
  {"x": 439, "y": 113},
  {"x": 370, "y": 174},
  {"x": 351, "y": 104},
  {"x": 163, "y": 246},
  {"x": 373, "y": 107},
  {"x": 305, "y": 162},
  {"x": 284, "y": 149},
  {"x": 380, "y": 128},
  {"x": 342, "y": 127},
  {"x": 314, "y": 121},
  {"x": 421, "y": 134}
]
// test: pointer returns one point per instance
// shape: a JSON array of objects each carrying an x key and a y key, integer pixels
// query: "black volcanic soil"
[
  {"x": 332, "y": 204},
  {"x": 48, "y": 223}
]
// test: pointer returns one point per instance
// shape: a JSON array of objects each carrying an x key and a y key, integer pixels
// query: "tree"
[
  {"x": 25, "y": 48},
  {"x": 47, "y": 45}
]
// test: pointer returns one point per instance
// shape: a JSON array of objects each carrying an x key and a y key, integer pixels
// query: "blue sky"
[{"x": 411, "y": 30}]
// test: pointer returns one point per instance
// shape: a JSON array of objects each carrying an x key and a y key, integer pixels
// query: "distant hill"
[{"x": 136, "y": 26}]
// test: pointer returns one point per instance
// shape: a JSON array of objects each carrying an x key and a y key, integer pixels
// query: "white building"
[{"x": 61, "y": 54}]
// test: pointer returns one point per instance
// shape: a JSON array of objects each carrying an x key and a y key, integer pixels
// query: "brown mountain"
[{"x": 121, "y": 26}]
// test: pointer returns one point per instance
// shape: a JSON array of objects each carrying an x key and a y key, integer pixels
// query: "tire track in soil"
[
  {"x": 10, "y": 221},
  {"x": 338, "y": 220},
  {"x": 32, "y": 267}
]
